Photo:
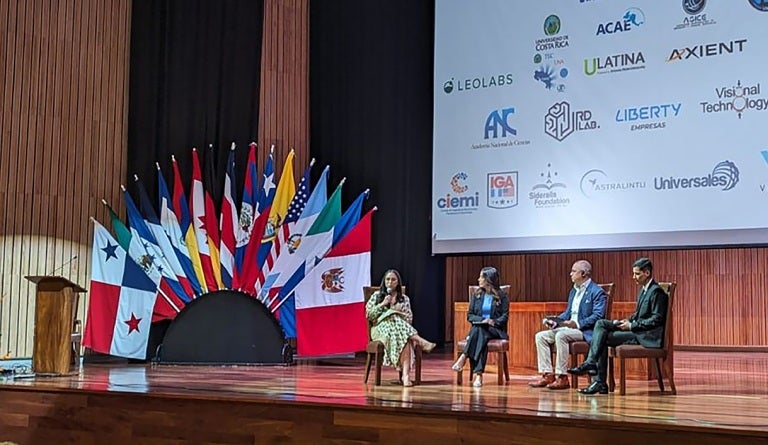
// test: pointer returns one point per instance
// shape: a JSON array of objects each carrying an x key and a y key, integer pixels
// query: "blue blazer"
[{"x": 591, "y": 309}]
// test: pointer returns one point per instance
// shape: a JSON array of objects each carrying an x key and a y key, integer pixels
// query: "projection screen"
[{"x": 596, "y": 124}]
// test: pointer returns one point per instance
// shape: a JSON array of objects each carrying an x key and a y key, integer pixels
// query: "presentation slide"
[{"x": 599, "y": 124}]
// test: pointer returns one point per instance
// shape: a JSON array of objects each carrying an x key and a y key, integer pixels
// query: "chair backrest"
[
  {"x": 669, "y": 288},
  {"x": 608, "y": 289},
  {"x": 472, "y": 289}
]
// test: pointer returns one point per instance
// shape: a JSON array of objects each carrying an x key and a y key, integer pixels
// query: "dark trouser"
[
  {"x": 476, "y": 348},
  {"x": 606, "y": 334}
]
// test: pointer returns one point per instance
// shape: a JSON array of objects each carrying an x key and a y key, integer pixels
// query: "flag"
[
  {"x": 186, "y": 226},
  {"x": 170, "y": 223},
  {"x": 312, "y": 209},
  {"x": 141, "y": 233},
  {"x": 166, "y": 250},
  {"x": 321, "y": 242},
  {"x": 198, "y": 223},
  {"x": 248, "y": 209},
  {"x": 167, "y": 305},
  {"x": 228, "y": 224},
  {"x": 286, "y": 190},
  {"x": 283, "y": 233},
  {"x": 211, "y": 221},
  {"x": 330, "y": 308},
  {"x": 263, "y": 206},
  {"x": 326, "y": 218},
  {"x": 121, "y": 300}
]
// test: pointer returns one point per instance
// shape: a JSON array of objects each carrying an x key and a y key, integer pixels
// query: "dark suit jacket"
[
  {"x": 591, "y": 309},
  {"x": 499, "y": 312},
  {"x": 650, "y": 316}
]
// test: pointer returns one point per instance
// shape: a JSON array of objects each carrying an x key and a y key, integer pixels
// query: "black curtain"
[
  {"x": 371, "y": 69},
  {"x": 194, "y": 81}
]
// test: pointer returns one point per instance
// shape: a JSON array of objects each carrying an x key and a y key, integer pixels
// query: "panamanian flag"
[{"x": 122, "y": 298}]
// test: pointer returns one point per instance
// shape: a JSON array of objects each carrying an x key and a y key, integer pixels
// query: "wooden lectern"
[{"x": 55, "y": 313}]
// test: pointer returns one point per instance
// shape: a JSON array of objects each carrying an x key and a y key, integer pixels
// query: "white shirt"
[{"x": 577, "y": 300}]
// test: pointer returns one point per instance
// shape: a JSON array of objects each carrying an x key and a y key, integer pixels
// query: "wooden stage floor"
[{"x": 722, "y": 398}]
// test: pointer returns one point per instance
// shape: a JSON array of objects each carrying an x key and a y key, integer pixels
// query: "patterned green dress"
[{"x": 392, "y": 330}]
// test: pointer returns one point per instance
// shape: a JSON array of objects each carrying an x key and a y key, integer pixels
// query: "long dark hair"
[
  {"x": 398, "y": 289},
  {"x": 492, "y": 280}
]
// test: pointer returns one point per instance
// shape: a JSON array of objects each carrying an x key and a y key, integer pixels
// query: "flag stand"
[{"x": 225, "y": 327}]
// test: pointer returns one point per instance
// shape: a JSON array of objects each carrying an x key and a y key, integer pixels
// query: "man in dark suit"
[
  {"x": 645, "y": 327},
  {"x": 586, "y": 305}
]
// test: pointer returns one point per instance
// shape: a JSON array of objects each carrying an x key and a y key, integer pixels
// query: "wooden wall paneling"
[
  {"x": 283, "y": 110},
  {"x": 719, "y": 299},
  {"x": 60, "y": 134}
]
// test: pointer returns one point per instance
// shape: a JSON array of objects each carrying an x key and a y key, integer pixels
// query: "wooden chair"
[
  {"x": 661, "y": 355},
  {"x": 580, "y": 348},
  {"x": 495, "y": 346},
  {"x": 374, "y": 351}
]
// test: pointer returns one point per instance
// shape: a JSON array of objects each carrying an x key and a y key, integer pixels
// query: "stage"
[{"x": 722, "y": 398}]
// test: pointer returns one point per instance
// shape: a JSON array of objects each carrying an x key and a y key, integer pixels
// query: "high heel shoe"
[
  {"x": 458, "y": 365},
  {"x": 478, "y": 383}
]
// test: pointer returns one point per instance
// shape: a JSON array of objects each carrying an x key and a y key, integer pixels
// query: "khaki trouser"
[{"x": 560, "y": 337}]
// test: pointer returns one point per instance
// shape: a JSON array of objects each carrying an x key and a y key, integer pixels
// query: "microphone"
[
  {"x": 389, "y": 290},
  {"x": 74, "y": 257}
]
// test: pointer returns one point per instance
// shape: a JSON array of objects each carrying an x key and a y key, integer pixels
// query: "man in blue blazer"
[
  {"x": 645, "y": 327},
  {"x": 586, "y": 305}
]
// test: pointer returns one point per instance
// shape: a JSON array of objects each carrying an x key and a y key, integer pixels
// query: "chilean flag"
[
  {"x": 122, "y": 298},
  {"x": 330, "y": 307}
]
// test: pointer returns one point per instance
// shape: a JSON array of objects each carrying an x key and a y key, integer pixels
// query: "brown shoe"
[
  {"x": 545, "y": 380},
  {"x": 561, "y": 382}
]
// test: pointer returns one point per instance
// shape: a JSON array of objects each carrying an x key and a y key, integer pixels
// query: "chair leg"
[
  {"x": 659, "y": 375},
  {"x": 459, "y": 375},
  {"x": 611, "y": 376},
  {"x": 500, "y": 368},
  {"x": 417, "y": 371},
  {"x": 670, "y": 375},
  {"x": 622, "y": 377},
  {"x": 574, "y": 377},
  {"x": 377, "y": 376},
  {"x": 367, "y": 367},
  {"x": 506, "y": 366}
]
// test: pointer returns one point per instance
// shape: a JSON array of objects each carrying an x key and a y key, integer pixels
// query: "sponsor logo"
[
  {"x": 333, "y": 280},
  {"x": 760, "y": 5},
  {"x": 648, "y": 117},
  {"x": 596, "y": 182},
  {"x": 552, "y": 78},
  {"x": 553, "y": 41},
  {"x": 737, "y": 98},
  {"x": 560, "y": 122},
  {"x": 549, "y": 192},
  {"x": 707, "y": 50},
  {"x": 633, "y": 18},
  {"x": 614, "y": 64},
  {"x": 502, "y": 190},
  {"x": 694, "y": 18},
  {"x": 459, "y": 200},
  {"x": 764, "y": 153},
  {"x": 476, "y": 83},
  {"x": 497, "y": 127},
  {"x": 724, "y": 176}
]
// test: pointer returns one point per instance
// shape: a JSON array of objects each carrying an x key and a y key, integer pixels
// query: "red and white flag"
[
  {"x": 122, "y": 298},
  {"x": 330, "y": 307}
]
